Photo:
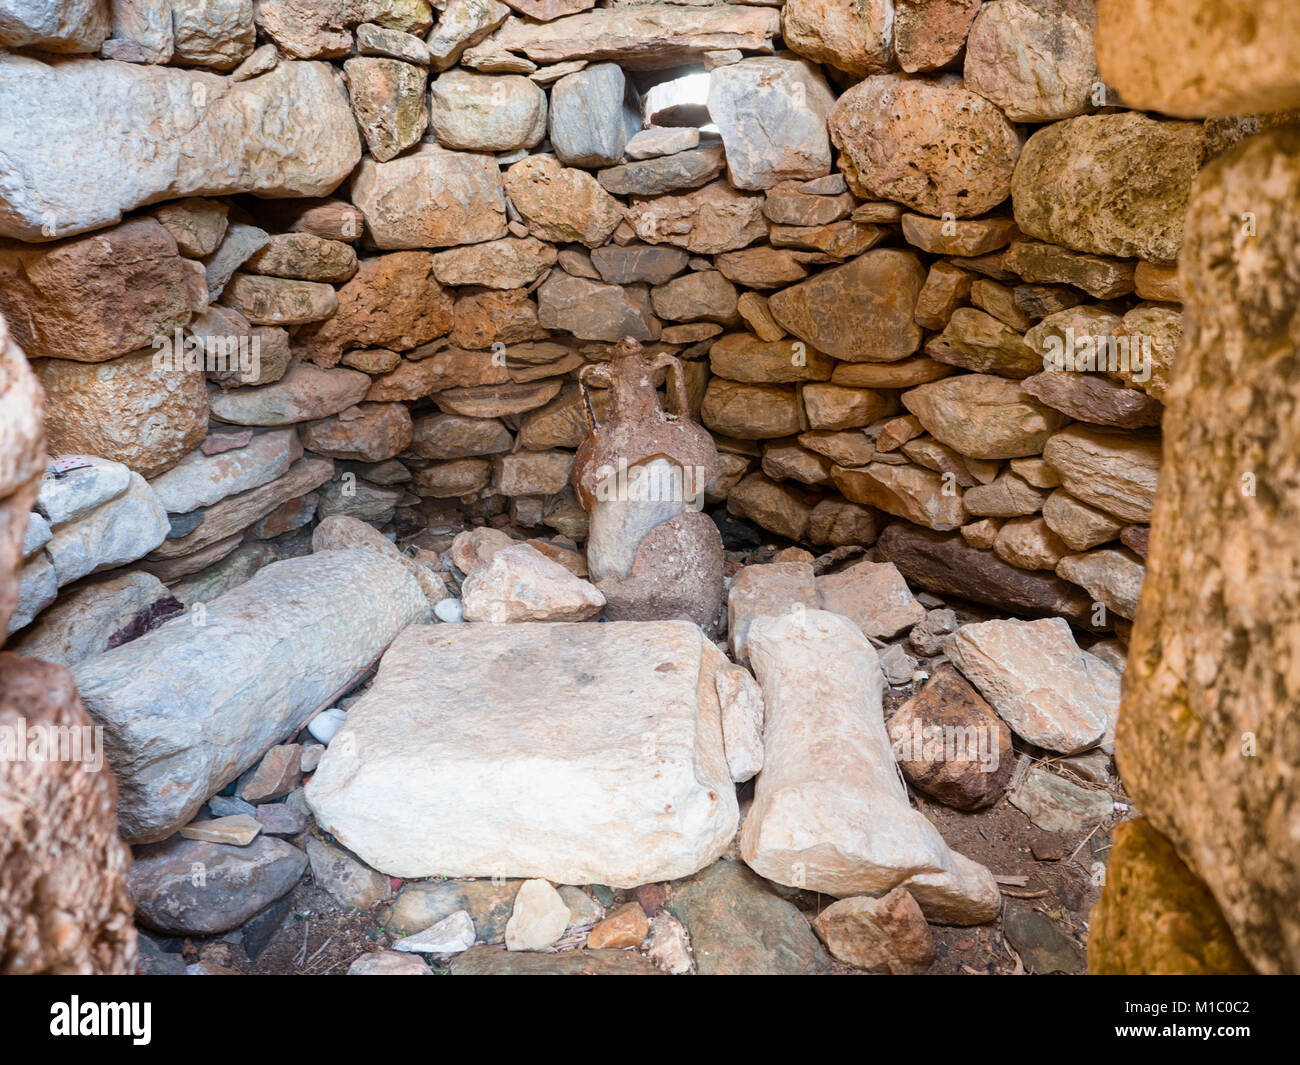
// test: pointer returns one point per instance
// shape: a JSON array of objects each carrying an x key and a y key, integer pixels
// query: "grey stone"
[
  {"x": 200, "y": 480},
  {"x": 119, "y": 531},
  {"x": 188, "y": 707},
  {"x": 190, "y": 887},
  {"x": 593, "y": 113},
  {"x": 772, "y": 115},
  {"x": 189, "y": 132},
  {"x": 77, "y": 492}
]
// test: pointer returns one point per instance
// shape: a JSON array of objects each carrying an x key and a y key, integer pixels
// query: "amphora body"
[{"x": 641, "y": 474}]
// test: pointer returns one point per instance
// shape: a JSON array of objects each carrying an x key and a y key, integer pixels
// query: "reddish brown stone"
[
  {"x": 64, "y": 906},
  {"x": 393, "y": 302}
]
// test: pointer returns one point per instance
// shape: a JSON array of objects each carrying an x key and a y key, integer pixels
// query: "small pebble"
[
  {"x": 449, "y": 609},
  {"x": 326, "y": 724}
]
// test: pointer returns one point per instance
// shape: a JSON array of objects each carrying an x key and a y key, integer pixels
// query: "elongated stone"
[
  {"x": 847, "y": 830},
  {"x": 183, "y": 711}
]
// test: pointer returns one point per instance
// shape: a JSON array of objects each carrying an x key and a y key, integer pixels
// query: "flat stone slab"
[{"x": 575, "y": 752}]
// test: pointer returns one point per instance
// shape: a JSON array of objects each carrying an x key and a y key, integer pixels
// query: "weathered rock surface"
[
  {"x": 62, "y": 883},
  {"x": 191, "y": 132},
  {"x": 519, "y": 583},
  {"x": 593, "y": 113},
  {"x": 305, "y": 393},
  {"x": 562, "y": 204},
  {"x": 772, "y": 116},
  {"x": 1034, "y": 675},
  {"x": 613, "y": 796},
  {"x": 430, "y": 198},
  {"x": 387, "y": 96},
  {"x": 1203, "y": 742},
  {"x": 859, "y": 312},
  {"x": 822, "y": 689},
  {"x": 983, "y": 416},
  {"x": 946, "y": 565},
  {"x": 884, "y": 935},
  {"x": 1033, "y": 58},
  {"x": 930, "y": 34},
  {"x": 486, "y": 112},
  {"x": 951, "y": 745},
  {"x": 856, "y": 38},
  {"x": 1204, "y": 58},
  {"x": 191, "y": 887},
  {"x": 739, "y": 926},
  {"x": 1113, "y": 471},
  {"x": 394, "y": 302},
  {"x": 1155, "y": 916},
  {"x": 935, "y": 147},
  {"x": 1130, "y": 197},
  {"x": 184, "y": 715},
  {"x": 92, "y": 298},
  {"x": 653, "y": 36},
  {"x": 705, "y": 221}
]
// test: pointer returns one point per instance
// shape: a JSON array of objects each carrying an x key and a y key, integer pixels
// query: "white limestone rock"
[
  {"x": 577, "y": 753},
  {"x": 830, "y": 811}
]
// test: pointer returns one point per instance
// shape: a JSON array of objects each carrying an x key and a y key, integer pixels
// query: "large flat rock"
[
  {"x": 146, "y": 133},
  {"x": 188, "y": 707},
  {"x": 607, "y": 766},
  {"x": 643, "y": 37}
]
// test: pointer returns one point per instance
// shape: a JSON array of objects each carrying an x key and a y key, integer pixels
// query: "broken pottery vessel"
[{"x": 641, "y": 474}]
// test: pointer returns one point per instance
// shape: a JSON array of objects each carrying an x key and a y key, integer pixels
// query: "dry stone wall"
[{"x": 274, "y": 262}]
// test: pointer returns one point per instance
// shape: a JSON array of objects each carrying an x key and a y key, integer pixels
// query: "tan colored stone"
[
  {"x": 779, "y": 508},
  {"x": 830, "y": 407},
  {"x": 930, "y": 34},
  {"x": 859, "y": 312},
  {"x": 651, "y": 37},
  {"x": 887, "y": 128},
  {"x": 1129, "y": 202},
  {"x": 1155, "y": 916},
  {"x": 430, "y": 198},
  {"x": 1202, "y": 58},
  {"x": 1033, "y": 58},
  {"x": 977, "y": 341},
  {"x": 562, "y": 204},
  {"x": 508, "y": 263},
  {"x": 822, "y": 687},
  {"x": 1032, "y": 672},
  {"x": 497, "y": 401},
  {"x": 706, "y": 221},
  {"x": 127, "y": 410},
  {"x": 368, "y": 432},
  {"x": 853, "y": 37},
  {"x": 750, "y": 412},
  {"x": 450, "y": 368},
  {"x": 96, "y": 297},
  {"x": 453, "y": 480},
  {"x": 1029, "y": 544},
  {"x": 919, "y": 495},
  {"x": 740, "y": 357},
  {"x": 393, "y": 302},
  {"x": 625, "y": 927},
  {"x": 1111, "y": 470},
  {"x": 906, "y": 373},
  {"x": 1009, "y": 496},
  {"x": 884, "y": 935},
  {"x": 61, "y": 838},
  {"x": 983, "y": 416}
]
